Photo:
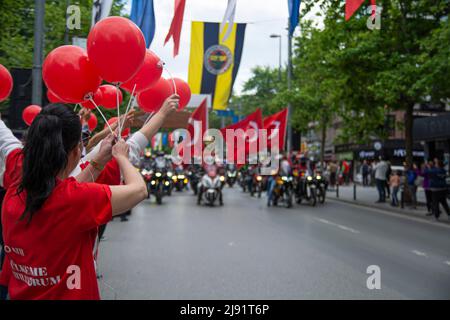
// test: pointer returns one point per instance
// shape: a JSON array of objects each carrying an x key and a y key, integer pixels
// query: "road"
[{"x": 245, "y": 250}]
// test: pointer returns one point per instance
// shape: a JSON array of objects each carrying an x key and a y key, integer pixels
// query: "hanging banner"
[{"x": 214, "y": 64}]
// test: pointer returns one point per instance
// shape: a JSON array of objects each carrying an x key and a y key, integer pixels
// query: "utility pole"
[
  {"x": 66, "y": 33},
  {"x": 289, "y": 83},
  {"x": 39, "y": 13}
]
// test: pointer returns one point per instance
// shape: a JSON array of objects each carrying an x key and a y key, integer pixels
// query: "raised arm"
[
  {"x": 134, "y": 190},
  {"x": 8, "y": 143}
]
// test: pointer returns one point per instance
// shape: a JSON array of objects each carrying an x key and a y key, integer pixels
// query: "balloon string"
[
  {"x": 171, "y": 78},
  {"x": 76, "y": 107},
  {"x": 126, "y": 111},
  {"x": 148, "y": 118},
  {"x": 118, "y": 109},
  {"x": 101, "y": 113}
]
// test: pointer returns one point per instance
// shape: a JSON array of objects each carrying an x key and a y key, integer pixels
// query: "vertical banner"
[
  {"x": 100, "y": 10},
  {"x": 214, "y": 64},
  {"x": 143, "y": 15}
]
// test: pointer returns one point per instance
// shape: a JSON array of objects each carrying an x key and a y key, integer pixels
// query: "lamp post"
[
  {"x": 274, "y": 36},
  {"x": 289, "y": 83},
  {"x": 39, "y": 13}
]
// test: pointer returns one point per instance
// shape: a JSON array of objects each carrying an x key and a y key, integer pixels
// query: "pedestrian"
[
  {"x": 394, "y": 182},
  {"x": 388, "y": 175},
  {"x": 43, "y": 204},
  {"x": 365, "y": 173},
  {"x": 411, "y": 176},
  {"x": 380, "y": 177},
  {"x": 426, "y": 185},
  {"x": 345, "y": 169},
  {"x": 333, "y": 168},
  {"x": 438, "y": 188}
]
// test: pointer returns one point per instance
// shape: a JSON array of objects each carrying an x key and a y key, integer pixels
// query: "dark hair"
[{"x": 55, "y": 131}]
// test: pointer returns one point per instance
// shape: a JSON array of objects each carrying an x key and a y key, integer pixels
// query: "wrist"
[{"x": 121, "y": 157}]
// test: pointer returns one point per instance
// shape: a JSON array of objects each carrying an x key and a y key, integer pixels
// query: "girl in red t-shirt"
[{"x": 49, "y": 218}]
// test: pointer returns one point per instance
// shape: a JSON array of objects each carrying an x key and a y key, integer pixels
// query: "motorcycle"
[
  {"x": 160, "y": 185},
  {"x": 282, "y": 191},
  {"x": 322, "y": 186},
  {"x": 194, "y": 177},
  {"x": 180, "y": 180},
  {"x": 231, "y": 177},
  {"x": 257, "y": 185},
  {"x": 147, "y": 176},
  {"x": 211, "y": 189},
  {"x": 306, "y": 189}
]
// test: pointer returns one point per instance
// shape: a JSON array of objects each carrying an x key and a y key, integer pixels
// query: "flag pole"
[{"x": 289, "y": 85}]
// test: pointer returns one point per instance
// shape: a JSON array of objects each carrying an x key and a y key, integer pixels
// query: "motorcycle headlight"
[
  {"x": 284, "y": 178},
  {"x": 153, "y": 182},
  {"x": 258, "y": 178},
  {"x": 190, "y": 173},
  {"x": 167, "y": 183},
  {"x": 222, "y": 178},
  {"x": 291, "y": 178},
  {"x": 181, "y": 177},
  {"x": 147, "y": 154},
  {"x": 318, "y": 177},
  {"x": 186, "y": 181},
  {"x": 169, "y": 174},
  {"x": 174, "y": 178},
  {"x": 158, "y": 174},
  {"x": 309, "y": 178},
  {"x": 144, "y": 172}
]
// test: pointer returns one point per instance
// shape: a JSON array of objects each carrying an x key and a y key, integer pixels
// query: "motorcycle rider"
[{"x": 210, "y": 171}]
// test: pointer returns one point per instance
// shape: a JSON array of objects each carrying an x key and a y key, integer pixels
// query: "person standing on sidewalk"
[
  {"x": 438, "y": 188},
  {"x": 380, "y": 177},
  {"x": 388, "y": 175},
  {"x": 426, "y": 185},
  {"x": 394, "y": 182},
  {"x": 411, "y": 176},
  {"x": 365, "y": 173}
]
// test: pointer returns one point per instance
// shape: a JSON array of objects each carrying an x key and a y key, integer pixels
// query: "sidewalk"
[{"x": 367, "y": 197}]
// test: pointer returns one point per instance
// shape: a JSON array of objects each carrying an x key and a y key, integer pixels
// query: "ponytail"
[{"x": 51, "y": 136}]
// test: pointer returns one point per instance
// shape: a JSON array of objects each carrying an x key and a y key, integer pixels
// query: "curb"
[{"x": 398, "y": 212}]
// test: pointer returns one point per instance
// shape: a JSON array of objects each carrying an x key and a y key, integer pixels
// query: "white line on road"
[
  {"x": 447, "y": 263},
  {"x": 419, "y": 253},
  {"x": 338, "y": 225}
]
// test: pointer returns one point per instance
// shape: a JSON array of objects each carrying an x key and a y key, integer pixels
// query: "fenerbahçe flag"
[{"x": 214, "y": 64}]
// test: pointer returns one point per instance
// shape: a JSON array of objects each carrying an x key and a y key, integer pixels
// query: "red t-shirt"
[{"x": 51, "y": 257}]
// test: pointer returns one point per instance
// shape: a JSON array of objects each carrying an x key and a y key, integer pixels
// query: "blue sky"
[{"x": 264, "y": 17}]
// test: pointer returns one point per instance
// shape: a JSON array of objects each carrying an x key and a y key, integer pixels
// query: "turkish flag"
[
  {"x": 276, "y": 121},
  {"x": 352, "y": 5},
  {"x": 240, "y": 151},
  {"x": 197, "y": 126}
]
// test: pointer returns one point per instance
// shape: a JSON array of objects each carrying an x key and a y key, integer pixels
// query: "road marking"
[
  {"x": 338, "y": 225},
  {"x": 447, "y": 263},
  {"x": 419, "y": 253}
]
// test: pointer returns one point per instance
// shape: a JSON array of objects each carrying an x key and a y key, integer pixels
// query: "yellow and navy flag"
[{"x": 214, "y": 64}]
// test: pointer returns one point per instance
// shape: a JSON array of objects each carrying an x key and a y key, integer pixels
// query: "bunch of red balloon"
[{"x": 116, "y": 53}]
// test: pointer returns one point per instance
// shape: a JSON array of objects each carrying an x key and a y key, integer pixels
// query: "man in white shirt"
[{"x": 380, "y": 178}]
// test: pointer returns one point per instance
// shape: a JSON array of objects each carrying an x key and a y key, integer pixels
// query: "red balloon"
[
  {"x": 117, "y": 48},
  {"x": 29, "y": 113},
  {"x": 92, "y": 122},
  {"x": 183, "y": 90},
  {"x": 98, "y": 98},
  {"x": 151, "y": 100},
  {"x": 69, "y": 74},
  {"x": 109, "y": 96},
  {"x": 52, "y": 97},
  {"x": 6, "y": 83},
  {"x": 125, "y": 132},
  {"x": 147, "y": 76}
]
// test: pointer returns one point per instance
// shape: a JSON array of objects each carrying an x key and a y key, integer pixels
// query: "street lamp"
[{"x": 279, "y": 55}]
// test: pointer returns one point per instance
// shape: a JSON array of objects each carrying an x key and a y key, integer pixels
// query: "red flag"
[
  {"x": 252, "y": 121},
  {"x": 276, "y": 121},
  {"x": 197, "y": 126},
  {"x": 352, "y": 5},
  {"x": 175, "y": 26}
]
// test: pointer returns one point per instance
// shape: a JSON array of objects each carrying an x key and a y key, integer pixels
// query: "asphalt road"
[{"x": 245, "y": 250}]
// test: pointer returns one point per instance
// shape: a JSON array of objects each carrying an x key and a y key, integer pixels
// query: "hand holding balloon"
[
  {"x": 170, "y": 105},
  {"x": 120, "y": 149},
  {"x": 105, "y": 152}
]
